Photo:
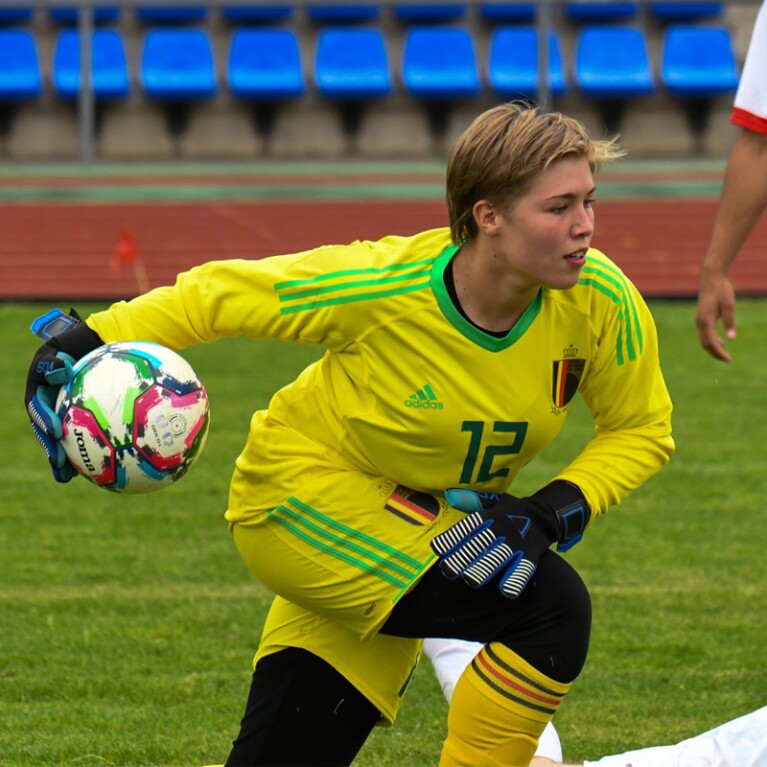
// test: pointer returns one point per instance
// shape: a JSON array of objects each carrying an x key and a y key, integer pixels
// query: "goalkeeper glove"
[
  {"x": 507, "y": 535},
  {"x": 51, "y": 368}
]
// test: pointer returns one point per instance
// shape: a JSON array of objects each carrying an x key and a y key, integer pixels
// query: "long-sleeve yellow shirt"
[{"x": 409, "y": 389}]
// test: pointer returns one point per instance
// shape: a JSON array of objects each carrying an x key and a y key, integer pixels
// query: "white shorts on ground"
[{"x": 739, "y": 743}]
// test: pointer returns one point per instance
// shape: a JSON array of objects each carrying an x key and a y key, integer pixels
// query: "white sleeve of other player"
[
  {"x": 751, "y": 95},
  {"x": 739, "y": 743}
]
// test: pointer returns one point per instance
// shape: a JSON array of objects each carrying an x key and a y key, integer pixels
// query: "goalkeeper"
[{"x": 452, "y": 359}]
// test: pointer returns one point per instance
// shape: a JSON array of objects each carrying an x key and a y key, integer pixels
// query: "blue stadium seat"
[
  {"x": 177, "y": 64},
  {"x": 439, "y": 63},
  {"x": 685, "y": 11},
  {"x": 170, "y": 14},
  {"x": 698, "y": 61},
  {"x": 513, "y": 63},
  {"x": 264, "y": 68},
  {"x": 612, "y": 66},
  {"x": 21, "y": 14},
  {"x": 352, "y": 64},
  {"x": 343, "y": 13},
  {"x": 439, "y": 67},
  {"x": 613, "y": 62},
  {"x": 265, "y": 65},
  {"x": 67, "y": 15},
  {"x": 428, "y": 12},
  {"x": 697, "y": 65},
  {"x": 20, "y": 78},
  {"x": 352, "y": 67},
  {"x": 256, "y": 14},
  {"x": 109, "y": 65},
  {"x": 503, "y": 12},
  {"x": 177, "y": 68},
  {"x": 606, "y": 10},
  {"x": 19, "y": 66}
]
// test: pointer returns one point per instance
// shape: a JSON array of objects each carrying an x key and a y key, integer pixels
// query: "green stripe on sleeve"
[{"x": 609, "y": 281}]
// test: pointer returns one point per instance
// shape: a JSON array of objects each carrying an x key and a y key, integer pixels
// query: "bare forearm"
[{"x": 743, "y": 200}]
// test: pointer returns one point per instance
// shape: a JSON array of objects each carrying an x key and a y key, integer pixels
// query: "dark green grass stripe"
[
  {"x": 318, "y": 168},
  {"x": 679, "y": 168},
  {"x": 319, "y": 190},
  {"x": 213, "y": 193}
]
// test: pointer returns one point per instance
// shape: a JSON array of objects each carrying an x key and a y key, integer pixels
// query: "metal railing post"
[
  {"x": 544, "y": 24},
  {"x": 86, "y": 102}
]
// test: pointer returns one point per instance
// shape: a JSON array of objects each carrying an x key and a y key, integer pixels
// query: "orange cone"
[{"x": 126, "y": 253}]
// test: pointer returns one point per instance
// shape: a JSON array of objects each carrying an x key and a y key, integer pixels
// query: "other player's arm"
[{"x": 743, "y": 200}]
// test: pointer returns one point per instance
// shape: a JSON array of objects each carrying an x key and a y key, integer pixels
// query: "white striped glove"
[{"x": 506, "y": 535}]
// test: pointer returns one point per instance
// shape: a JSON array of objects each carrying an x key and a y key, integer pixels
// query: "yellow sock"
[{"x": 499, "y": 709}]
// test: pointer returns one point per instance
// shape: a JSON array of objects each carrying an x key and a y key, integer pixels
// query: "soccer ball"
[{"x": 135, "y": 416}]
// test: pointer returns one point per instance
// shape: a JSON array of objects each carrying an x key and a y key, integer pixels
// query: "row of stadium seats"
[
  {"x": 378, "y": 91},
  {"x": 439, "y": 63},
  {"x": 339, "y": 12}
]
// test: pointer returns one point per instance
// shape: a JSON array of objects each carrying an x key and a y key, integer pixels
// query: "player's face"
[{"x": 544, "y": 235}]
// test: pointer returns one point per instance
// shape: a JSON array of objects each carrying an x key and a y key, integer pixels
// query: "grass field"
[{"x": 128, "y": 624}]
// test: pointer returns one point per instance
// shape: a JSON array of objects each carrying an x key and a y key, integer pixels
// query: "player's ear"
[{"x": 487, "y": 217}]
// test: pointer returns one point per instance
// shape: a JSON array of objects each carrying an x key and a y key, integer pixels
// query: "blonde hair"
[{"x": 504, "y": 149}]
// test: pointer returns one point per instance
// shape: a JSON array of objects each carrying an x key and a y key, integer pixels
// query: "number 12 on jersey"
[{"x": 517, "y": 430}]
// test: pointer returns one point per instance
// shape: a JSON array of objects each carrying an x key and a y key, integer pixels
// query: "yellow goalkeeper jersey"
[{"x": 408, "y": 388}]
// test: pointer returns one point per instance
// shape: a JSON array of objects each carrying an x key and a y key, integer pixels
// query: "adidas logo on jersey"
[{"x": 424, "y": 399}]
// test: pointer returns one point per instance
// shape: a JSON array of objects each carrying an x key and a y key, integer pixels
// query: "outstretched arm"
[{"x": 743, "y": 200}]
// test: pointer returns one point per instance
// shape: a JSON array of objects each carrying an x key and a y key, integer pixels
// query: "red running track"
[{"x": 62, "y": 251}]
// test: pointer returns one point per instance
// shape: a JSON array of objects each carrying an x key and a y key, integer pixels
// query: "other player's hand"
[
  {"x": 505, "y": 535},
  {"x": 716, "y": 300},
  {"x": 50, "y": 369}
]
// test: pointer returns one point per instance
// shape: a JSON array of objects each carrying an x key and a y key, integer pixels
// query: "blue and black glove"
[
  {"x": 51, "y": 368},
  {"x": 506, "y": 535}
]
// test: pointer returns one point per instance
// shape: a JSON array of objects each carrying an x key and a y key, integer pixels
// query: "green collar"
[{"x": 466, "y": 328}]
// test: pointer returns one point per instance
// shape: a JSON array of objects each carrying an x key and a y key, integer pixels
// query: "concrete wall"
[{"x": 395, "y": 128}]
